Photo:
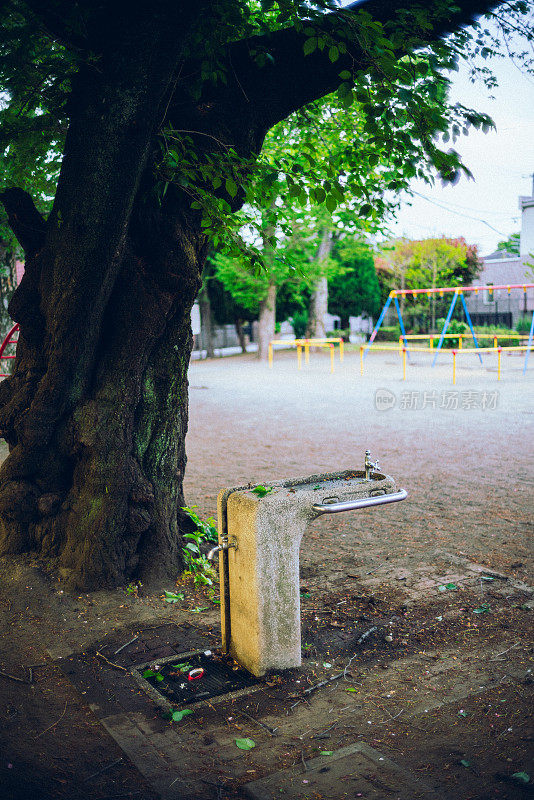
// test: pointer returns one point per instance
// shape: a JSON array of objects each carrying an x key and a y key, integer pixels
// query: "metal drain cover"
[{"x": 167, "y": 680}]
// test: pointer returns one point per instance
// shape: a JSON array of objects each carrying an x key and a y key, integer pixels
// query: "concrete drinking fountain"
[{"x": 260, "y": 531}]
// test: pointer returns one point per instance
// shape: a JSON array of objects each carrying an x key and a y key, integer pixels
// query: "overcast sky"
[{"x": 501, "y": 161}]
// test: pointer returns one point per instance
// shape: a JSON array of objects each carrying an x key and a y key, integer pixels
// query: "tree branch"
[
  {"x": 288, "y": 79},
  {"x": 25, "y": 221},
  {"x": 55, "y": 18}
]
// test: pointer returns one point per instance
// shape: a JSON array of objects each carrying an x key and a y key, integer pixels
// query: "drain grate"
[{"x": 169, "y": 677}]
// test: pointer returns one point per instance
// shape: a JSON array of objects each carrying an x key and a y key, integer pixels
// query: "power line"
[
  {"x": 458, "y": 213},
  {"x": 481, "y": 210}
]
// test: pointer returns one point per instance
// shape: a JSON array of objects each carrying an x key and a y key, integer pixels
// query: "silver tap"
[
  {"x": 226, "y": 545},
  {"x": 369, "y": 465}
]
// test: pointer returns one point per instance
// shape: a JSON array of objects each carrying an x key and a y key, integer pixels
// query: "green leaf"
[
  {"x": 245, "y": 744},
  {"x": 177, "y": 716},
  {"x": 326, "y": 753},
  {"x": 331, "y": 203},
  {"x": 445, "y": 586},
  {"x": 171, "y": 597},
  {"x": 523, "y": 777},
  {"x": 350, "y": 689},
  {"x": 483, "y": 609},
  {"x": 345, "y": 75},
  {"x": 231, "y": 187},
  {"x": 310, "y": 45},
  {"x": 365, "y": 210},
  {"x": 159, "y": 677},
  {"x": 320, "y": 197},
  {"x": 333, "y": 53},
  {"x": 465, "y": 763},
  {"x": 148, "y": 673},
  {"x": 261, "y": 491},
  {"x": 347, "y": 99}
]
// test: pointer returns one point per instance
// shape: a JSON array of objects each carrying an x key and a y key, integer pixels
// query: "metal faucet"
[
  {"x": 226, "y": 545},
  {"x": 369, "y": 465}
]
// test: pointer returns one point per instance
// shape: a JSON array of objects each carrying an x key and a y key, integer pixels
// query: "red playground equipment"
[{"x": 11, "y": 339}]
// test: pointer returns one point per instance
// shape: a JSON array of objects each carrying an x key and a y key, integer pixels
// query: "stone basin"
[{"x": 260, "y": 597}]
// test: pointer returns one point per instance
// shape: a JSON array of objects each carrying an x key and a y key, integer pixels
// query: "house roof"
[
  {"x": 499, "y": 255},
  {"x": 513, "y": 269},
  {"x": 510, "y": 270}
]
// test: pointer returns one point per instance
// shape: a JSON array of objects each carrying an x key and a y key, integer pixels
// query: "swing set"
[{"x": 457, "y": 292}]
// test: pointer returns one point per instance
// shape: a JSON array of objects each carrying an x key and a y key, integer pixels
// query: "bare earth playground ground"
[{"x": 442, "y": 686}]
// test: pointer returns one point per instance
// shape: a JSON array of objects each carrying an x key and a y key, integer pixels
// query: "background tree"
[
  {"x": 225, "y": 309},
  {"x": 511, "y": 245},
  {"x": 428, "y": 264},
  {"x": 160, "y": 111},
  {"x": 355, "y": 290}
]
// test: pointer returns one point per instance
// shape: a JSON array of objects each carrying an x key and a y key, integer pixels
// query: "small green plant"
[
  {"x": 213, "y": 596},
  {"x": 177, "y": 716},
  {"x": 182, "y": 667},
  {"x": 245, "y": 744},
  {"x": 208, "y": 527},
  {"x": 389, "y": 333},
  {"x": 149, "y": 673},
  {"x": 196, "y": 563},
  {"x": 299, "y": 321},
  {"x": 133, "y": 588},
  {"x": 523, "y": 324},
  {"x": 173, "y": 597},
  {"x": 261, "y": 491},
  {"x": 455, "y": 327}
]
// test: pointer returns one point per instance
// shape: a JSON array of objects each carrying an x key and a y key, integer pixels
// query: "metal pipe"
[
  {"x": 365, "y": 502},
  {"x": 213, "y": 551},
  {"x": 224, "y": 546},
  {"x": 476, "y": 289}
]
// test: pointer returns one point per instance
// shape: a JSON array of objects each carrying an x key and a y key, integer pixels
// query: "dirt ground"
[{"x": 441, "y": 681}]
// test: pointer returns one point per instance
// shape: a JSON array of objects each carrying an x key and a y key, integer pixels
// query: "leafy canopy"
[{"x": 394, "y": 92}]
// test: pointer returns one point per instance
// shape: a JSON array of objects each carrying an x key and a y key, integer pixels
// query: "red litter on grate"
[{"x": 195, "y": 674}]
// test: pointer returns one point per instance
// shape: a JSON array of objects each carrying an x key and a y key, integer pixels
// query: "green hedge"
[{"x": 388, "y": 333}]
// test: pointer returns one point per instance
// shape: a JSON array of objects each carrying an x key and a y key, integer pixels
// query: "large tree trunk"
[
  {"x": 206, "y": 322},
  {"x": 241, "y": 335},
  {"x": 318, "y": 309},
  {"x": 319, "y": 299},
  {"x": 95, "y": 413},
  {"x": 267, "y": 320},
  {"x": 95, "y": 482}
]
